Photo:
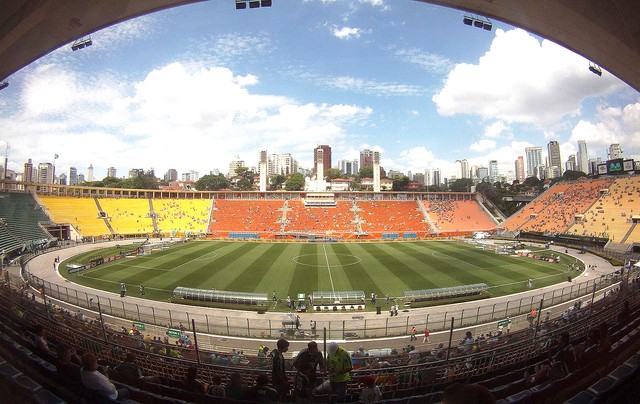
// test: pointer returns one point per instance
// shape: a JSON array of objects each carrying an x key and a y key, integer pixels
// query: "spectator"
[
  {"x": 40, "y": 341},
  {"x": 216, "y": 389},
  {"x": 236, "y": 389},
  {"x": 278, "y": 372},
  {"x": 339, "y": 364},
  {"x": 313, "y": 357},
  {"x": 370, "y": 392},
  {"x": 69, "y": 363},
  {"x": 467, "y": 343},
  {"x": 261, "y": 392},
  {"x": 191, "y": 382},
  {"x": 98, "y": 382},
  {"x": 130, "y": 370}
]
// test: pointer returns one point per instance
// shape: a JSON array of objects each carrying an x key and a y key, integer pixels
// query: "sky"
[{"x": 193, "y": 87}]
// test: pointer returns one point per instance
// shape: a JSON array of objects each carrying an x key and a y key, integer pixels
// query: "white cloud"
[
  {"x": 482, "y": 145},
  {"x": 496, "y": 130},
  {"x": 178, "y": 116},
  {"x": 517, "y": 77},
  {"x": 611, "y": 125},
  {"x": 428, "y": 61},
  {"x": 346, "y": 32}
]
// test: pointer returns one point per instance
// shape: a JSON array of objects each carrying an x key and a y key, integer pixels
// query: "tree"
[
  {"x": 277, "y": 181},
  {"x": 487, "y": 190},
  {"x": 401, "y": 184},
  {"x": 211, "y": 182},
  {"x": 573, "y": 175},
  {"x": 461, "y": 185},
  {"x": 244, "y": 184},
  {"x": 333, "y": 174},
  {"x": 295, "y": 182},
  {"x": 365, "y": 172}
]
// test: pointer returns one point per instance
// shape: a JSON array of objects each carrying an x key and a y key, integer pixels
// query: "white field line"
[{"x": 328, "y": 267}]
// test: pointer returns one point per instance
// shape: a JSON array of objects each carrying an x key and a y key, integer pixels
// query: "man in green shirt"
[{"x": 339, "y": 365}]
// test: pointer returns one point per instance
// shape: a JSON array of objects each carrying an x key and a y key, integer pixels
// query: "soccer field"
[{"x": 292, "y": 268}]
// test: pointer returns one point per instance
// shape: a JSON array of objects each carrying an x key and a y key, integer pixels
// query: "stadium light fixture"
[
  {"x": 595, "y": 69},
  {"x": 82, "y": 43},
  {"x": 477, "y": 21},
  {"x": 244, "y": 4},
  {"x": 4, "y": 84}
]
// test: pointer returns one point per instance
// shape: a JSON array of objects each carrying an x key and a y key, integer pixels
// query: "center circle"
[{"x": 301, "y": 258}]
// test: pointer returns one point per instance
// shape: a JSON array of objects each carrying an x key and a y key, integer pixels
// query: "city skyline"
[
  {"x": 529, "y": 163},
  {"x": 173, "y": 90}
]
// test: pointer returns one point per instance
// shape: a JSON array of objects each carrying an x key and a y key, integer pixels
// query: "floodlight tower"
[
  {"x": 376, "y": 171},
  {"x": 263, "y": 171},
  {"x": 320, "y": 170}
]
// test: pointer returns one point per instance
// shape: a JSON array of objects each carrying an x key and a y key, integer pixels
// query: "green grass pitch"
[{"x": 291, "y": 268}]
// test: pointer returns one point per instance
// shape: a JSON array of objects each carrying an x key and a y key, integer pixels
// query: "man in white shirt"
[{"x": 96, "y": 381}]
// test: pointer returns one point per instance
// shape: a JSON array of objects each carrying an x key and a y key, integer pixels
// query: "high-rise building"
[
  {"x": 348, "y": 167},
  {"x": 135, "y": 172},
  {"x": 582, "y": 157},
  {"x": 428, "y": 179},
  {"x": 73, "y": 176},
  {"x": 462, "y": 169},
  {"x": 190, "y": 176},
  {"x": 45, "y": 173},
  {"x": 90, "y": 173},
  {"x": 234, "y": 165},
  {"x": 615, "y": 151},
  {"x": 482, "y": 173},
  {"x": 287, "y": 165},
  {"x": 553, "y": 153},
  {"x": 534, "y": 160},
  {"x": 62, "y": 179},
  {"x": 494, "y": 174},
  {"x": 169, "y": 176},
  {"x": 366, "y": 158},
  {"x": 418, "y": 177},
  {"x": 437, "y": 176},
  {"x": 80, "y": 179},
  {"x": 519, "y": 169},
  {"x": 27, "y": 175},
  {"x": 326, "y": 158},
  {"x": 571, "y": 165},
  {"x": 113, "y": 173}
]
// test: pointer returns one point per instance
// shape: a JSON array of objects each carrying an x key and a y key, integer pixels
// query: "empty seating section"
[
  {"x": 450, "y": 216},
  {"x": 128, "y": 215},
  {"x": 246, "y": 215},
  {"x": 389, "y": 216},
  {"x": 81, "y": 213},
  {"x": 574, "y": 199},
  {"x": 610, "y": 216},
  {"x": 180, "y": 216},
  {"x": 21, "y": 216},
  {"x": 338, "y": 219}
]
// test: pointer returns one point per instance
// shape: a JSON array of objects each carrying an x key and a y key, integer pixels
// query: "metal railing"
[{"x": 355, "y": 327}]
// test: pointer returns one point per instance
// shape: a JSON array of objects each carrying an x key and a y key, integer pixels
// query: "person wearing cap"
[
  {"x": 339, "y": 365},
  {"x": 370, "y": 392}
]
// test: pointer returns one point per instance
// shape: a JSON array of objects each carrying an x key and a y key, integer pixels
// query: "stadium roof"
[{"x": 605, "y": 32}]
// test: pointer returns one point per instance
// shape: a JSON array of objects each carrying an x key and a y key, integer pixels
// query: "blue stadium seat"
[
  {"x": 584, "y": 397},
  {"x": 602, "y": 387},
  {"x": 47, "y": 397}
]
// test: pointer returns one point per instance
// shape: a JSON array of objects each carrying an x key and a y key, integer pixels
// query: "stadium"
[{"x": 110, "y": 236}]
